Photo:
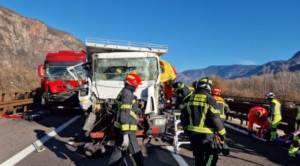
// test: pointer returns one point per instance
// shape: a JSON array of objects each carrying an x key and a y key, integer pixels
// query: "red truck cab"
[{"x": 59, "y": 88}]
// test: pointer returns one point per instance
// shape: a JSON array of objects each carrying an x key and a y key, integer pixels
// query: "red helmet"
[
  {"x": 133, "y": 79},
  {"x": 216, "y": 91}
]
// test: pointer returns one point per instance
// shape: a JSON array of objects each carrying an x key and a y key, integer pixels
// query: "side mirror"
[{"x": 41, "y": 71}]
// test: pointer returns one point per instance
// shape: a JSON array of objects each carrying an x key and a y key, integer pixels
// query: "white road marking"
[
  {"x": 25, "y": 152},
  {"x": 177, "y": 157}
]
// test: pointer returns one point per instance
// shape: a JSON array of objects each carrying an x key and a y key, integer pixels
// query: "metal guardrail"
[
  {"x": 11, "y": 102},
  {"x": 240, "y": 109}
]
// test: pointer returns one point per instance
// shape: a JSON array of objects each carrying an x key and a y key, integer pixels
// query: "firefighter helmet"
[
  {"x": 204, "y": 83},
  {"x": 270, "y": 95},
  {"x": 133, "y": 79},
  {"x": 216, "y": 91}
]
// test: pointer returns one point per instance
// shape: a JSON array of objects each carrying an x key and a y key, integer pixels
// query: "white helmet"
[{"x": 270, "y": 95}]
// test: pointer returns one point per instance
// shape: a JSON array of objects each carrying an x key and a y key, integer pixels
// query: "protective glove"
[
  {"x": 223, "y": 146},
  {"x": 225, "y": 149},
  {"x": 125, "y": 142}
]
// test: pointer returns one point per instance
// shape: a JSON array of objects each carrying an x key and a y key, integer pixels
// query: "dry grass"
[
  {"x": 18, "y": 77},
  {"x": 285, "y": 85}
]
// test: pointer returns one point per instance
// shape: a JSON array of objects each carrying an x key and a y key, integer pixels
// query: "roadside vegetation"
[
  {"x": 17, "y": 77},
  {"x": 285, "y": 85}
]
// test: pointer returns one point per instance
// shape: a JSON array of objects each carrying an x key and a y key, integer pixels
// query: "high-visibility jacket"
[
  {"x": 262, "y": 120},
  {"x": 201, "y": 116},
  {"x": 294, "y": 147},
  {"x": 127, "y": 110},
  {"x": 222, "y": 106},
  {"x": 275, "y": 108},
  {"x": 183, "y": 92}
]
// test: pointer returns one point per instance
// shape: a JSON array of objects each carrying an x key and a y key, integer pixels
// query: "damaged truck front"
[{"x": 109, "y": 63}]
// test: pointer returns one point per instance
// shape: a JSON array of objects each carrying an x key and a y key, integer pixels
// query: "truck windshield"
[
  {"x": 61, "y": 73},
  {"x": 117, "y": 69}
]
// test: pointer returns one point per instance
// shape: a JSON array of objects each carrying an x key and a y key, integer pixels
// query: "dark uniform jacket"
[
  {"x": 126, "y": 117},
  {"x": 200, "y": 116},
  {"x": 182, "y": 91}
]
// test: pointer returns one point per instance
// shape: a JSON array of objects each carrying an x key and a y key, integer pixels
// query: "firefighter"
[
  {"x": 294, "y": 147},
  {"x": 221, "y": 104},
  {"x": 201, "y": 120},
  {"x": 126, "y": 124},
  {"x": 274, "y": 115},
  {"x": 182, "y": 91},
  {"x": 258, "y": 115}
]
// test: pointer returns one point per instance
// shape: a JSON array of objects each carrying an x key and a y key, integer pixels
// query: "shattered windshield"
[
  {"x": 117, "y": 69},
  {"x": 61, "y": 73}
]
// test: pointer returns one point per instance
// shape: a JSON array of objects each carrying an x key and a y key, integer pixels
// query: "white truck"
[
  {"x": 112, "y": 61},
  {"x": 109, "y": 62}
]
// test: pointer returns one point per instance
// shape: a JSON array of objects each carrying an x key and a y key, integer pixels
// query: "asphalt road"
[{"x": 17, "y": 135}]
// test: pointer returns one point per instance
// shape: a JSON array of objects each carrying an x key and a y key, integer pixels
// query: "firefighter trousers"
[{"x": 203, "y": 151}]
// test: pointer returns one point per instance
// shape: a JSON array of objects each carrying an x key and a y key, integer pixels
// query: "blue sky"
[{"x": 199, "y": 33}]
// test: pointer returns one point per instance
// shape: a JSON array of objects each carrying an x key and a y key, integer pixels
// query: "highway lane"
[{"x": 18, "y": 134}]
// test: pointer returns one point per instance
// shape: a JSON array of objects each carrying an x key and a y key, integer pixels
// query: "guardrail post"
[
  {"x": 2, "y": 97},
  {"x": 26, "y": 95},
  {"x": 16, "y": 96},
  {"x": 15, "y": 102},
  {"x": 25, "y": 108},
  {"x": 14, "y": 110}
]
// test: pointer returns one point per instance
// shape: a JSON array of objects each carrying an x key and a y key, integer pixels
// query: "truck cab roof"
[{"x": 94, "y": 45}]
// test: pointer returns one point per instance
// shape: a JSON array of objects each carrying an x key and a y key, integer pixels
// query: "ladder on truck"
[{"x": 95, "y": 45}]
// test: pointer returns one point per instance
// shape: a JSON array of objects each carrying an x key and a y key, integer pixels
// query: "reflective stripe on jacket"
[
  {"x": 183, "y": 92},
  {"x": 126, "y": 116},
  {"x": 201, "y": 116},
  {"x": 222, "y": 106}
]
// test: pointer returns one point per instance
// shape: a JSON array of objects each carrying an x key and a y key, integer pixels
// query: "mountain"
[
  {"x": 23, "y": 45},
  {"x": 238, "y": 71}
]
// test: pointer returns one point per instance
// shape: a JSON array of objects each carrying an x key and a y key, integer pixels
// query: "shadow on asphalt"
[
  {"x": 238, "y": 143},
  {"x": 241, "y": 143}
]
